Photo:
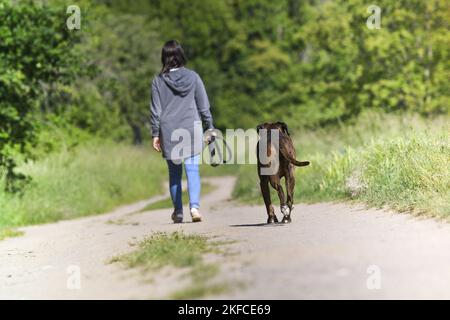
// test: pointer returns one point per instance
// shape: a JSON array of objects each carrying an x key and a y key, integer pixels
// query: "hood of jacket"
[{"x": 181, "y": 80}]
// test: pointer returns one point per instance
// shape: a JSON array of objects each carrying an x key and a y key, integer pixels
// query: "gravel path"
[{"x": 330, "y": 251}]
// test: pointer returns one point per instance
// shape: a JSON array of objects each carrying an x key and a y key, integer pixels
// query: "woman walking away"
[{"x": 179, "y": 106}]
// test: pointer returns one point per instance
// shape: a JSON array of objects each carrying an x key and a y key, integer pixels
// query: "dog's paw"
[
  {"x": 286, "y": 219},
  {"x": 271, "y": 220}
]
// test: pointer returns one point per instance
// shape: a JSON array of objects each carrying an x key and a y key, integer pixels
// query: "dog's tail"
[
  {"x": 299, "y": 163},
  {"x": 291, "y": 158}
]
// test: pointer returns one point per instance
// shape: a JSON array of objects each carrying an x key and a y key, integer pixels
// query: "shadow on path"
[{"x": 257, "y": 225}]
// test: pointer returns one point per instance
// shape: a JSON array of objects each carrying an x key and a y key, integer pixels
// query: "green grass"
[
  {"x": 400, "y": 162},
  {"x": 122, "y": 222},
  {"x": 179, "y": 250},
  {"x": 9, "y": 233},
  {"x": 91, "y": 180},
  {"x": 176, "y": 249},
  {"x": 167, "y": 203}
]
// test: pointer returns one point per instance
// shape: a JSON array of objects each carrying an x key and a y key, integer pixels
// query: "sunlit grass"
[
  {"x": 9, "y": 233},
  {"x": 400, "y": 162},
  {"x": 179, "y": 250},
  {"x": 90, "y": 179},
  {"x": 93, "y": 179}
]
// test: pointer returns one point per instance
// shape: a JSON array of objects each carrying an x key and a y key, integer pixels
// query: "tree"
[
  {"x": 349, "y": 67},
  {"x": 35, "y": 49},
  {"x": 124, "y": 49}
]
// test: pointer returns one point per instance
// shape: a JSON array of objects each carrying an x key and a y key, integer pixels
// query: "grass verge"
[
  {"x": 181, "y": 251},
  {"x": 90, "y": 180},
  {"x": 400, "y": 162},
  {"x": 9, "y": 233}
]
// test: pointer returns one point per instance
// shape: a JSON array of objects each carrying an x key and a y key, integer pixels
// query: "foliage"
[
  {"x": 35, "y": 51},
  {"x": 313, "y": 62},
  {"x": 124, "y": 50},
  {"x": 401, "y": 162},
  {"x": 398, "y": 67}
]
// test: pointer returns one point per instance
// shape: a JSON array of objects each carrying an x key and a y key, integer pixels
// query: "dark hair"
[{"x": 172, "y": 56}]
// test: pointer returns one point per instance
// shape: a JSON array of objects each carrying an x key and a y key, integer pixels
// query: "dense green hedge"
[{"x": 35, "y": 54}]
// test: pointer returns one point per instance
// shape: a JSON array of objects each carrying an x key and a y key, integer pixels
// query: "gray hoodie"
[{"x": 179, "y": 105}]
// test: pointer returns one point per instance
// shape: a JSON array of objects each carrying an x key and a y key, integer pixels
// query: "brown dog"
[{"x": 280, "y": 156}]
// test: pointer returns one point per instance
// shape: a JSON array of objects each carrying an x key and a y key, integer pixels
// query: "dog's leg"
[
  {"x": 290, "y": 185},
  {"x": 277, "y": 186},
  {"x": 264, "y": 184}
]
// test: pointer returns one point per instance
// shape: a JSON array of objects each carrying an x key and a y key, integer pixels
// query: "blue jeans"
[{"x": 191, "y": 166}]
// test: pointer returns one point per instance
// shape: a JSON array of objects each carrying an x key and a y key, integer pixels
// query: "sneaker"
[
  {"x": 177, "y": 217},
  {"x": 196, "y": 217}
]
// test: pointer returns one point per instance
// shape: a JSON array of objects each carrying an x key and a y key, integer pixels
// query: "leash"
[{"x": 214, "y": 148}]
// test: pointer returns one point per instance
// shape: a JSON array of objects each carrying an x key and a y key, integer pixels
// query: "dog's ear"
[{"x": 283, "y": 127}]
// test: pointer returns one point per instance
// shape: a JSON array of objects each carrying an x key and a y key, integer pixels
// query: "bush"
[{"x": 35, "y": 51}]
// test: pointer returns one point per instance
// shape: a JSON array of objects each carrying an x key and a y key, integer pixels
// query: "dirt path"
[{"x": 326, "y": 252}]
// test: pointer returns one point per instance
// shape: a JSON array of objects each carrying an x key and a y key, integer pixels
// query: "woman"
[{"x": 178, "y": 108}]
